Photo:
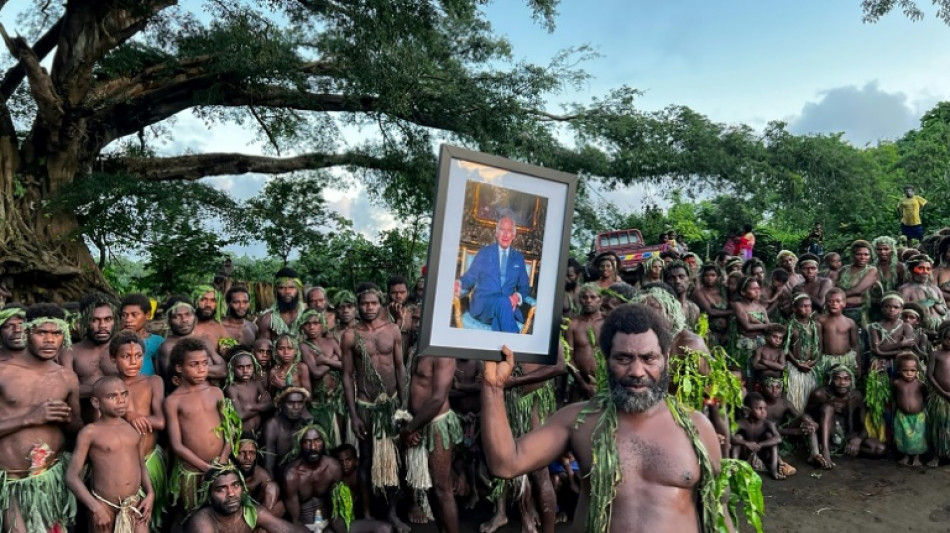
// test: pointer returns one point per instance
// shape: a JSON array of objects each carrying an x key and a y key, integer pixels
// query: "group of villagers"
[{"x": 841, "y": 354}]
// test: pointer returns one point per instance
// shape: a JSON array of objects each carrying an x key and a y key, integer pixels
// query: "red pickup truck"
[{"x": 628, "y": 245}]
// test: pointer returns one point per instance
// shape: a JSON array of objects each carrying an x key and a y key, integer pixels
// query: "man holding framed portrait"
[{"x": 499, "y": 278}]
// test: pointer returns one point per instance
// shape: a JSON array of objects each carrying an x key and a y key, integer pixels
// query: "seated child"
[
  {"x": 756, "y": 435},
  {"x": 910, "y": 419}
]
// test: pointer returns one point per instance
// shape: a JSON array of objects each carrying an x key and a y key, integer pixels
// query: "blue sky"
[{"x": 811, "y": 63}]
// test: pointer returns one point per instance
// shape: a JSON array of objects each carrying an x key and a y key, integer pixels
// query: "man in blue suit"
[{"x": 499, "y": 279}]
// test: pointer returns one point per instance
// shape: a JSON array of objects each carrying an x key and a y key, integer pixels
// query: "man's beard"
[
  {"x": 283, "y": 306},
  {"x": 91, "y": 335},
  {"x": 182, "y": 330},
  {"x": 233, "y": 314},
  {"x": 250, "y": 470},
  {"x": 569, "y": 286},
  {"x": 314, "y": 457},
  {"x": 637, "y": 402},
  {"x": 204, "y": 314}
]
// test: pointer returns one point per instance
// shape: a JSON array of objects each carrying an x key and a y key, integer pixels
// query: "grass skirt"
[
  {"x": 156, "y": 466},
  {"x": 42, "y": 497},
  {"x": 938, "y": 424}
]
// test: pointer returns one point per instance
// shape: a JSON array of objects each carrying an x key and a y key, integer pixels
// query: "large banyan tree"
[{"x": 92, "y": 86}]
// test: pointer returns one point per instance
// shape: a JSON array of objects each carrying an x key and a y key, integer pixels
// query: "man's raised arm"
[{"x": 538, "y": 448}]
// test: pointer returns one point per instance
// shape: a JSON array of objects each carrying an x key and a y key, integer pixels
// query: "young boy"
[
  {"x": 839, "y": 342},
  {"x": 938, "y": 403},
  {"x": 891, "y": 335},
  {"x": 264, "y": 354},
  {"x": 121, "y": 497},
  {"x": 790, "y": 421},
  {"x": 910, "y": 420},
  {"x": 192, "y": 416},
  {"x": 757, "y": 435},
  {"x": 288, "y": 370},
  {"x": 803, "y": 346},
  {"x": 250, "y": 397},
  {"x": 777, "y": 297},
  {"x": 769, "y": 359},
  {"x": 146, "y": 394},
  {"x": 911, "y": 316}
]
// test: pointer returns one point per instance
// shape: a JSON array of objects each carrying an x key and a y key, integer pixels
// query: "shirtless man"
[
  {"x": 89, "y": 358},
  {"x": 117, "y": 472},
  {"x": 710, "y": 296},
  {"x": 433, "y": 421},
  {"x": 581, "y": 337},
  {"x": 284, "y": 315},
  {"x": 313, "y": 478},
  {"x": 815, "y": 286},
  {"x": 12, "y": 340},
  {"x": 226, "y": 503},
  {"x": 659, "y": 489},
  {"x": 279, "y": 431},
  {"x": 676, "y": 275},
  {"x": 840, "y": 411},
  {"x": 207, "y": 325},
  {"x": 373, "y": 379},
  {"x": 235, "y": 322},
  {"x": 181, "y": 322},
  {"x": 921, "y": 290},
  {"x": 260, "y": 485},
  {"x": 317, "y": 300},
  {"x": 39, "y": 405}
]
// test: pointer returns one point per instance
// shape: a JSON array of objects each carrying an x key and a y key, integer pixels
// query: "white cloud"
[{"x": 865, "y": 115}]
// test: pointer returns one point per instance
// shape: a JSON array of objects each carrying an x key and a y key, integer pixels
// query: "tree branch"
[
  {"x": 195, "y": 167},
  {"x": 48, "y": 101},
  {"x": 44, "y": 45}
]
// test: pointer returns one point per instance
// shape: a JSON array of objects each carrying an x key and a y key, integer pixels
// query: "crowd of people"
[{"x": 316, "y": 414}]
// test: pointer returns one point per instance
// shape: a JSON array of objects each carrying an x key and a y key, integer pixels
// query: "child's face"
[
  {"x": 129, "y": 359},
  {"x": 263, "y": 352},
  {"x": 751, "y": 291},
  {"x": 312, "y": 328},
  {"x": 803, "y": 308},
  {"x": 835, "y": 303},
  {"x": 911, "y": 319},
  {"x": 113, "y": 400},
  {"x": 347, "y": 461},
  {"x": 945, "y": 341},
  {"x": 243, "y": 368},
  {"x": 194, "y": 367},
  {"x": 908, "y": 370},
  {"x": 775, "y": 339},
  {"x": 891, "y": 308},
  {"x": 773, "y": 389},
  {"x": 285, "y": 351},
  {"x": 834, "y": 263},
  {"x": 758, "y": 411}
]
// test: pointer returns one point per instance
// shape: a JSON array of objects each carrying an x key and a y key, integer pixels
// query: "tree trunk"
[{"x": 41, "y": 256}]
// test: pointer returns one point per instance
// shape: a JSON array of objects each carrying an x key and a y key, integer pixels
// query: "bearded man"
[
  {"x": 235, "y": 322},
  {"x": 669, "y": 457},
  {"x": 89, "y": 358},
  {"x": 284, "y": 315}
]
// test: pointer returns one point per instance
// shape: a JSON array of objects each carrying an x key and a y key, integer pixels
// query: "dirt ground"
[{"x": 859, "y": 495}]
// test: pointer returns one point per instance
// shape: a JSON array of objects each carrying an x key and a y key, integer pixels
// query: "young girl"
[
  {"x": 910, "y": 420},
  {"x": 751, "y": 321},
  {"x": 890, "y": 336},
  {"x": 803, "y": 347},
  {"x": 288, "y": 370}
]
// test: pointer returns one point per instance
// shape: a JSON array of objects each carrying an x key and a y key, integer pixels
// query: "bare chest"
[
  {"x": 378, "y": 342},
  {"x": 22, "y": 389},
  {"x": 197, "y": 405},
  {"x": 87, "y": 364}
]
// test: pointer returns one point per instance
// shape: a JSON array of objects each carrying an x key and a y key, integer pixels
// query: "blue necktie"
[{"x": 504, "y": 265}]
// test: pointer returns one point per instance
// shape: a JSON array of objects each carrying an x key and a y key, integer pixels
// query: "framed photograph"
[{"x": 497, "y": 259}]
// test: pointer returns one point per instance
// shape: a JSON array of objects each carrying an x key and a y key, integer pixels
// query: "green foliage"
[
  {"x": 289, "y": 214},
  {"x": 182, "y": 258},
  {"x": 745, "y": 488}
]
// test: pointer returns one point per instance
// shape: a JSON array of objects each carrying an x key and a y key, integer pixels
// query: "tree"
[
  {"x": 406, "y": 75},
  {"x": 875, "y": 9},
  {"x": 289, "y": 214}
]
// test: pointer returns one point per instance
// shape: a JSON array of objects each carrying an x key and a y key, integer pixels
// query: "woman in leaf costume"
[
  {"x": 685, "y": 491},
  {"x": 751, "y": 322}
]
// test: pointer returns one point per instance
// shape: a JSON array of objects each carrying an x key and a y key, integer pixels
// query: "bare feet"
[
  {"x": 561, "y": 518},
  {"x": 498, "y": 521},
  {"x": 473, "y": 500},
  {"x": 778, "y": 476},
  {"x": 417, "y": 515},
  {"x": 905, "y": 461},
  {"x": 786, "y": 469},
  {"x": 398, "y": 525},
  {"x": 916, "y": 461},
  {"x": 934, "y": 463},
  {"x": 823, "y": 462}
]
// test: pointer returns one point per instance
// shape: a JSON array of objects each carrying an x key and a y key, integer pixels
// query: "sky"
[{"x": 811, "y": 63}]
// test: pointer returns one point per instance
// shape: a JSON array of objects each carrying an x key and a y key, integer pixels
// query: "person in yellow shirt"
[{"x": 909, "y": 209}]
